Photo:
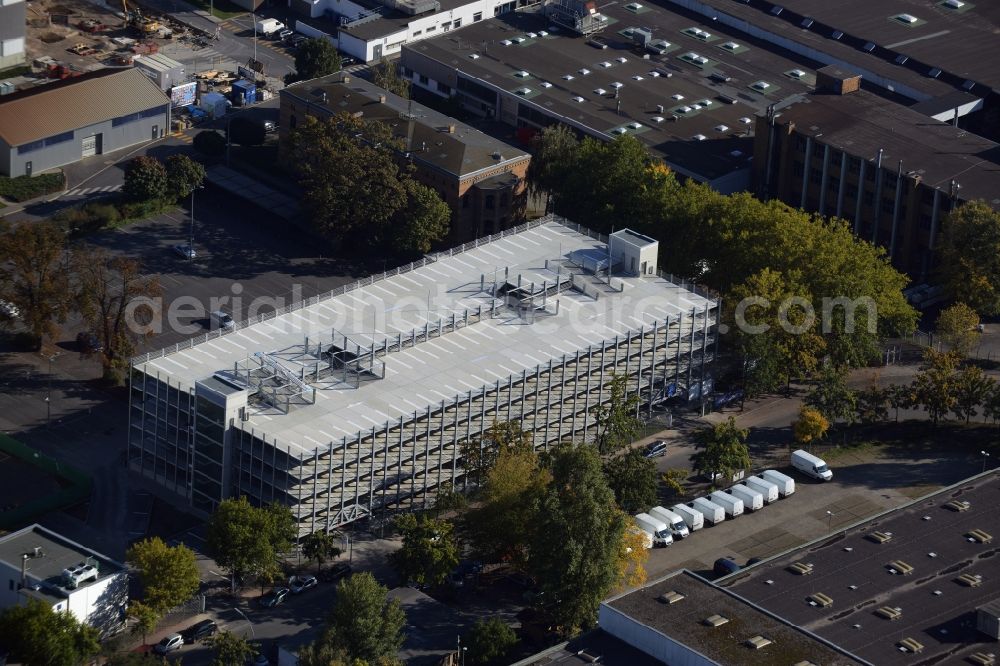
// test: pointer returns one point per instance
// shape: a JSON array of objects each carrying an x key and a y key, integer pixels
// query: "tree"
[
  {"x": 500, "y": 528},
  {"x": 315, "y": 58},
  {"x": 145, "y": 179},
  {"x": 365, "y": 623},
  {"x": 958, "y": 327},
  {"x": 184, "y": 176},
  {"x": 169, "y": 575},
  {"x": 386, "y": 75},
  {"x": 632, "y": 478},
  {"x": 672, "y": 480},
  {"x": 320, "y": 546},
  {"x": 210, "y": 143},
  {"x": 136, "y": 659},
  {"x": 117, "y": 302},
  {"x": 448, "y": 499},
  {"x": 33, "y": 633},
  {"x": 934, "y": 387},
  {"x": 831, "y": 396},
  {"x": 617, "y": 424},
  {"x": 810, "y": 426},
  {"x": 246, "y": 540},
  {"x": 425, "y": 220},
  {"x": 429, "y": 552},
  {"x": 479, "y": 455},
  {"x": 489, "y": 640},
  {"x": 901, "y": 396},
  {"x": 632, "y": 556},
  {"x": 970, "y": 257},
  {"x": 577, "y": 540},
  {"x": 873, "y": 402},
  {"x": 991, "y": 405},
  {"x": 228, "y": 649},
  {"x": 146, "y": 618},
  {"x": 33, "y": 276},
  {"x": 246, "y": 132},
  {"x": 725, "y": 449},
  {"x": 972, "y": 389},
  {"x": 552, "y": 163}
]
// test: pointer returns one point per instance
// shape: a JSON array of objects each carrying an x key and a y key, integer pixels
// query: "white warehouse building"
[{"x": 355, "y": 403}]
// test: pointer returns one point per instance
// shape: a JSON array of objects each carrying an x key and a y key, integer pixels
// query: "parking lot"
[{"x": 246, "y": 263}]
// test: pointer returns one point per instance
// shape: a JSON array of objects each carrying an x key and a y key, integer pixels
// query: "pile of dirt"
[{"x": 51, "y": 37}]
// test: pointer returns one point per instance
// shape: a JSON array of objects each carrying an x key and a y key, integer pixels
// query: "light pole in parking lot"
[
  {"x": 829, "y": 520},
  {"x": 191, "y": 236},
  {"x": 986, "y": 457},
  {"x": 244, "y": 616}
]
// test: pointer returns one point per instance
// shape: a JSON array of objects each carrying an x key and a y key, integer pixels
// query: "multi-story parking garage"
[{"x": 357, "y": 402}]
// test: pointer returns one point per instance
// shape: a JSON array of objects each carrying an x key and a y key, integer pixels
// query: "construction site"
[{"x": 355, "y": 404}]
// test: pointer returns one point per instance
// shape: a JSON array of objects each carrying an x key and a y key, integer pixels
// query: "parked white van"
[
  {"x": 710, "y": 511},
  {"x": 785, "y": 483},
  {"x": 692, "y": 517},
  {"x": 733, "y": 505},
  {"x": 810, "y": 465},
  {"x": 763, "y": 486},
  {"x": 662, "y": 536},
  {"x": 752, "y": 500},
  {"x": 673, "y": 521}
]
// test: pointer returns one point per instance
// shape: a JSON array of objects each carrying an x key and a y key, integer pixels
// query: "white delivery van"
[
  {"x": 647, "y": 537},
  {"x": 785, "y": 483},
  {"x": 710, "y": 511},
  {"x": 733, "y": 505},
  {"x": 662, "y": 536},
  {"x": 752, "y": 499},
  {"x": 763, "y": 486},
  {"x": 810, "y": 465},
  {"x": 673, "y": 521},
  {"x": 692, "y": 518},
  {"x": 267, "y": 26}
]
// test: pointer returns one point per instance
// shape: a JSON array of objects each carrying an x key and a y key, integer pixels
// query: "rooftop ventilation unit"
[
  {"x": 953, "y": 4},
  {"x": 617, "y": 85},
  {"x": 637, "y": 77},
  {"x": 578, "y": 99},
  {"x": 523, "y": 91},
  {"x": 542, "y": 33},
  {"x": 506, "y": 42},
  {"x": 522, "y": 74},
  {"x": 699, "y": 137},
  {"x": 899, "y": 567},
  {"x": 715, "y": 620},
  {"x": 657, "y": 119},
  {"x": 545, "y": 84},
  {"x": 584, "y": 71},
  {"x": 474, "y": 56},
  {"x": 721, "y": 128},
  {"x": 72, "y": 577},
  {"x": 889, "y": 613},
  {"x": 568, "y": 77},
  {"x": 908, "y": 19},
  {"x": 619, "y": 130},
  {"x": 760, "y": 85},
  {"x": 745, "y": 120},
  {"x": 633, "y": 6},
  {"x": 604, "y": 64},
  {"x": 836, "y": 34},
  {"x": 901, "y": 59},
  {"x": 819, "y": 599},
  {"x": 969, "y": 580},
  {"x": 654, "y": 74},
  {"x": 911, "y": 645},
  {"x": 414, "y": 7},
  {"x": 685, "y": 109},
  {"x": 800, "y": 568},
  {"x": 758, "y": 642},
  {"x": 730, "y": 46},
  {"x": 600, "y": 91},
  {"x": 958, "y": 505},
  {"x": 796, "y": 73},
  {"x": 532, "y": 35},
  {"x": 519, "y": 40},
  {"x": 677, "y": 96},
  {"x": 635, "y": 126},
  {"x": 806, "y": 23},
  {"x": 880, "y": 537},
  {"x": 671, "y": 597},
  {"x": 868, "y": 47},
  {"x": 622, "y": 59},
  {"x": 979, "y": 536}
]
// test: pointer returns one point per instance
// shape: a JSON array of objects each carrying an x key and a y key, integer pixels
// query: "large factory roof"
[
  {"x": 608, "y": 89},
  {"x": 376, "y": 310}
]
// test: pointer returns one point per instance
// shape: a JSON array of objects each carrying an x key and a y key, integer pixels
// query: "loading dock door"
[{"x": 90, "y": 145}]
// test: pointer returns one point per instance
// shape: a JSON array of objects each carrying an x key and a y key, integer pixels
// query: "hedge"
[{"x": 23, "y": 188}]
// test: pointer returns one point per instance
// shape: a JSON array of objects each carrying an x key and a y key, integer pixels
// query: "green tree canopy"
[
  {"x": 972, "y": 389},
  {"x": 617, "y": 421},
  {"x": 184, "y": 176},
  {"x": 810, "y": 427},
  {"x": 423, "y": 221},
  {"x": 577, "y": 536},
  {"x": 958, "y": 327},
  {"x": 36, "y": 635},
  {"x": 145, "y": 179},
  {"x": 33, "y": 276},
  {"x": 168, "y": 574},
  {"x": 489, "y": 640},
  {"x": 364, "y": 623},
  {"x": 320, "y": 546},
  {"x": 315, "y": 58},
  {"x": 632, "y": 478},
  {"x": 479, "y": 455},
  {"x": 724, "y": 449},
  {"x": 386, "y": 75},
  {"x": 429, "y": 552},
  {"x": 970, "y": 257},
  {"x": 228, "y": 649},
  {"x": 246, "y": 540},
  {"x": 832, "y": 397},
  {"x": 933, "y": 389}
]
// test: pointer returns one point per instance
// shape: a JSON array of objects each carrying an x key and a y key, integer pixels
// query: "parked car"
[
  {"x": 725, "y": 566},
  {"x": 295, "y": 40},
  {"x": 88, "y": 342},
  {"x": 185, "y": 251},
  {"x": 199, "y": 631},
  {"x": 336, "y": 572},
  {"x": 270, "y": 126},
  {"x": 299, "y": 584},
  {"x": 347, "y": 61},
  {"x": 655, "y": 450},
  {"x": 283, "y": 35},
  {"x": 274, "y": 597},
  {"x": 169, "y": 644},
  {"x": 220, "y": 319}
]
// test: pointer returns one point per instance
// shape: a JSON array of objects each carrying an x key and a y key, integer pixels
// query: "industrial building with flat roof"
[
  {"x": 481, "y": 178},
  {"x": 38, "y": 564},
  {"x": 63, "y": 122},
  {"x": 892, "y": 172},
  {"x": 913, "y": 585},
  {"x": 689, "y": 93},
  {"x": 356, "y": 402}
]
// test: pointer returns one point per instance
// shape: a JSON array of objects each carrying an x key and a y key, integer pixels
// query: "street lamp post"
[
  {"x": 48, "y": 394},
  {"x": 986, "y": 457},
  {"x": 464, "y": 650},
  {"x": 829, "y": 519},
  {"x": 249, "y": 623},
  {"x": 191, "y": 235}
]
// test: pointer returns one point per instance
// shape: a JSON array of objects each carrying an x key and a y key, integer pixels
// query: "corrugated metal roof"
[{"x": 60, "y": 108}]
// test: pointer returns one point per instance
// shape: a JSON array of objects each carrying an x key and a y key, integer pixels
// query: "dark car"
[
  {"x": 88, "y": 342},
  {"x": 200, "y": 630},
  {"x": 655, "y": 450},
  {"x": 336, "y": 572},
  {"x": 274, "y": 597},
  {"x": 725, "y": 566}
]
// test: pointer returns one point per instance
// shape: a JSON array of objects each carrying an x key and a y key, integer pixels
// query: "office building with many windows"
[{"x": 356, "y": 403}]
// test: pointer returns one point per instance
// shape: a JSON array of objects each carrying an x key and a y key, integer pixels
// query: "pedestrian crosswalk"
[
  {"x": 183, "y": 137},
  {"x": 80, "y": 191}
]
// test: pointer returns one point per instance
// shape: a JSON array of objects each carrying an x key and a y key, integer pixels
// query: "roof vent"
[
  {"x": 568, "y": 77},
  {"x": 622, "y": 59},
  {"x": 889, "y": 613},
  {"x": 745, "y": 120},
  {"x": 836, "y": 34},
  {"x": 506, "y": 42},
  {"x": 819, "y": 599},
  {"x": 908, "y": 19},
  {"x": 587, "y": 657},
  {"x": 800, "y": 568},
  {"x": 721, "y": 128},
  {"x": 474, "y": 56},
  {"x": 970, "y": 580},
  {"x": 953, "y": 4},
  {"x": 519, "y": 40},
  {"x": 911, "y": 645},
  {"x": 677, "y": 96},
  {"x": 545, "y": 84},
  {"x": 522, "y": 74},
  {"x": 532, "y": 35},
  {"x": 715, "y": 620},
  {"x": 868, "y": 47},
  {"x": 37, "y": 552},
  {"x": 796, "y": 73},
  {"x": 730, "y": 46},
  {"x": 496, "y": 154},
  {"x": 600, "y": 91},
  {"x": 901, "y": 59},
  {"x": 657, "y": 119},
  {"x": 760, "y": 85},
  {"x": 776, "y": 10},
  {"x": 699, "y": 137},
  {"x": 578, "y": 99},
  {"x": 635, "y": 126},
  {"x": 671, "y": 597},
  {"x": 584, "y": 71},
  {"x": 806, "y": 23},
  {"x": 617, "y": 85},
  {"x": 979, "y": 536},
  {"x": 604, "y": 64},
  {"x": 899, "y": 567},
  {"x": 880, "y": 537},
  {"x": 637, "y": 77},
  {"x": 958, "y": 505},
  {"x": 758, "y": 642},
  {"x": 523, "y": 91}
]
